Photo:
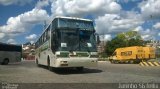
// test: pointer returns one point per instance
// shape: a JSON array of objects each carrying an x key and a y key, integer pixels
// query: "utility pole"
[
  {"x": 103, "y": 42},
  {"x": 103, "y": 49}
]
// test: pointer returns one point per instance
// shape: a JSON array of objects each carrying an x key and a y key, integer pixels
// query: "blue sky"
[{"x": 22, "y": 20}]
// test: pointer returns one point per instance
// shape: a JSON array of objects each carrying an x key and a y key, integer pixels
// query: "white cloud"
[
  {"x": 11, "y": 41},
  {"x": 31, "y": 42},
  {"x": 42, "y": 3},
  {"x": 35, "y": 16},
  {"x": 150, "y": 9},
  {"x": 158, "y": 34},
  {"x": 19, "y": 2},
  {"x": 24, "y": 22},
  {"x": 138, "y": 29},
  {"x": 2, "y": 35},
  {"x": 31, "y": 37},
  {"x": 84, "y": 7},
  {"x": 146, "y": 34},
  {"x": 157, "y": 25},
  {"x": 126, "y": 1},
  {"x": 113, "y": 23},
  {"x": 105, "y": 37},
  {"x": 108, "y": 14}
]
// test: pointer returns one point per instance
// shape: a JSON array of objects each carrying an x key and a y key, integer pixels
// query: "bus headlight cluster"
[
  {"x": 58, "y": 53},
  {"x": 64, "y": 63}
]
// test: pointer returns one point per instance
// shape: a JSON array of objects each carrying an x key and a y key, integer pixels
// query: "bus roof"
[
  {"x": 73, "y": 18},
  {"x": 9, "y": 44}
]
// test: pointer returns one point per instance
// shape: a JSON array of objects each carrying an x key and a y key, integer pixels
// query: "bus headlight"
[
  {"x": 58, "y": 53},
  {"x": 63, "y": 63}
]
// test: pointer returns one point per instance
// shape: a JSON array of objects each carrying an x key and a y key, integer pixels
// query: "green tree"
[
  {"x": 113, "y": 44},
  {"x": 130, "y": 38},
  {"x": 135, "y": 42}
]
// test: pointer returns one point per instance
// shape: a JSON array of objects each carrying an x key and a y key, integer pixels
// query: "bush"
[
  {"x": 103, "y": 59},
  {"x": 103, "y": 55}
]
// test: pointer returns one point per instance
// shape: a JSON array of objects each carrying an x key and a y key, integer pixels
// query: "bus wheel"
[
  {"x": 5, "y": 61},
  {"x": 48, "y": 63},
  {"x": 79, "y": 68},
  {"x": 137, "y": 62}
]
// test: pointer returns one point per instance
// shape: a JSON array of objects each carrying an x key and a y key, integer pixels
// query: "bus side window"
[
  {"x": 54, "y": 48},
  {"x": 48, "y": 34},
  {"x": 45, "y": 36}
]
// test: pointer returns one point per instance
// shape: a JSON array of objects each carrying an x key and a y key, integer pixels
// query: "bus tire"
[
  {"x": 5, "y": 61},
  {"x": 48, "y": 64},
  {"x": 137, "y": 62},
  {"x": 80, "y": 68}
]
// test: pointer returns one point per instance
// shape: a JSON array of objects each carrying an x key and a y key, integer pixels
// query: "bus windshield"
[{"x": 77, "y": 40}]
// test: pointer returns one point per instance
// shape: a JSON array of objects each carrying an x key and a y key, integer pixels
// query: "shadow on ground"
[
  {"x": 67, "y": 71},
  {"x": 12, "y": 64}
]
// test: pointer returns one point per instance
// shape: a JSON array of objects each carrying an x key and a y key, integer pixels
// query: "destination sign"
[{"x": 71, "y": 23}]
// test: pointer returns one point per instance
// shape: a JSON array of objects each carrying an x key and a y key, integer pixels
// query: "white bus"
[
  {"x": 67, "y": 42},
  {"x": 10, "y": 53}
]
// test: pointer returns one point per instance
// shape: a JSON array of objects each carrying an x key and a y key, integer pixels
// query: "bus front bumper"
[{"x": 76, "y": 62}]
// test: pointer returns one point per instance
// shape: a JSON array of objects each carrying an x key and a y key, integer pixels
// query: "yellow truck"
[
  {"x": 149, "y": 53},
  {"x": 134, "y": 54}
]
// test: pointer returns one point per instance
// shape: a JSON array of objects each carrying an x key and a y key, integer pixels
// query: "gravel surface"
[{"x": 105, "y": 72}]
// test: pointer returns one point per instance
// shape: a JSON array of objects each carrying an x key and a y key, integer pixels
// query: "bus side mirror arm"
[{"x": 97, "y": 39}]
